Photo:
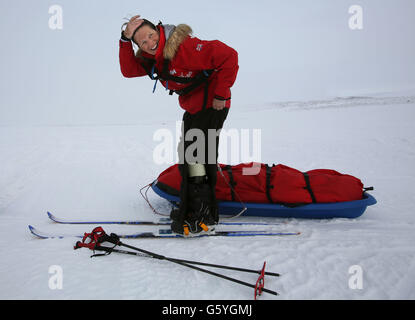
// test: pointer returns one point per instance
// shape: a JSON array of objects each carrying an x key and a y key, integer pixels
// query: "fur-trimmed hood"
[{"x": 174, "y": 37}]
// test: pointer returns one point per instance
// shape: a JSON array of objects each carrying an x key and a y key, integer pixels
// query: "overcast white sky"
[{"x": 288, "y": 50}]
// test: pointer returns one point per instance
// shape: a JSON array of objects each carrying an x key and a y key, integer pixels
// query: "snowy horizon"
[{"x": 288, "y": 51}]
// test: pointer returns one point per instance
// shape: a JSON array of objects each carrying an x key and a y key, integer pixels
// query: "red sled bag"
[
  {"x": 260, "y": 183},
  {"x": 316, "y": 186}
]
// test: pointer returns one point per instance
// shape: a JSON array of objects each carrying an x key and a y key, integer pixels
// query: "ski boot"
[{"x": 201, "y": 213}]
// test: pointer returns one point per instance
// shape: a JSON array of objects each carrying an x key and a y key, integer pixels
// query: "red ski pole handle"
[
  {"x": 92, "y": 239},
  {"x": 260, "y": 283}
]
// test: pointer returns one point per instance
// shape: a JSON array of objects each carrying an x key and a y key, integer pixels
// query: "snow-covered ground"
[
  {"x": 96, "y": 172},
  {"x": 79, "y": 140}
]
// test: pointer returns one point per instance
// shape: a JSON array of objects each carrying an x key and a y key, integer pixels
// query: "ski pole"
[
  {"x": 109, "y": 250},
  {"x": 207, "y": 264},
  {"x": 98, "y": 235},
  {"x": 114, "y": 239},
  {"x": 157, "y": 256}
]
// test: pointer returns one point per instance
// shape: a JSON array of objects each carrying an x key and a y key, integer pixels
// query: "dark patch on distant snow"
[{"x": 338, "y": 102}]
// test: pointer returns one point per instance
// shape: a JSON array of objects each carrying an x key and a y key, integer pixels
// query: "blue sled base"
[{"x": 348, "y": 209}]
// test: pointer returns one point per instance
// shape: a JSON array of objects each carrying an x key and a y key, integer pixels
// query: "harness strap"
[
  {"x": 149, "y": 65},
  {"x": 200, "y": 79}
]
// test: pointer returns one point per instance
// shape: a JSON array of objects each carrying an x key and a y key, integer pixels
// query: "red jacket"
[{"x": 188, "y": 56}]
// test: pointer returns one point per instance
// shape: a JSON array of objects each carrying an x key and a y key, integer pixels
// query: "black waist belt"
[{"x": 194, "y": 85}]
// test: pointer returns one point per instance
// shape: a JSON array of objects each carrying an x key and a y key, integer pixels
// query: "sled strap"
[
  {"x": 308, "y": 186},
  {"x": 268, "y": 182},
  {"x": 145, "y": 197},
  {"x": 232, "y": 182}
]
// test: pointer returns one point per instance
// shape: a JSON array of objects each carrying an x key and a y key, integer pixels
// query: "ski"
[
  {"x": 166, "y": 233},
  {"x": 161, "y": 222}
]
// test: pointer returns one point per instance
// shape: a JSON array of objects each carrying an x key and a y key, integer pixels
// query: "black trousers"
[{"x": 199, "y": 143}]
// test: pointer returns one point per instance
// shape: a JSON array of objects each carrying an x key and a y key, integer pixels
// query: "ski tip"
[
  {"x": 32, "y": 229},
  {"x": 42, "y": 235},
  {"x": 52, "y": 217},
  {"x": 34, "y": 232}
]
